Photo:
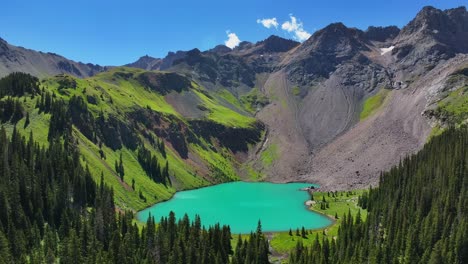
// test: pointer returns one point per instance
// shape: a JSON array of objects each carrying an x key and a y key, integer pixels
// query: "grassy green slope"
[
  {"x": 119, "y": 93},
  {"x": 339, "y": 205},
  {"x": 454, "y": 106}
]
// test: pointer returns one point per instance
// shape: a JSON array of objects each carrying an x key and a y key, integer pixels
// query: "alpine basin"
[{"x": 241, "y": 205}]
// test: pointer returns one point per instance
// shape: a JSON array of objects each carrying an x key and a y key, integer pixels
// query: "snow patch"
[{"x": 386, "y": 50}]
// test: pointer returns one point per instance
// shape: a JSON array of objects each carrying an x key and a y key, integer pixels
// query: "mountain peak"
[
  {"x": 146, "y": 62},
  {"x": 433, "y": 19},
  {"x": 448, "y": 27},
  {"x": 275, "y": 38},
  {"x": 337, "y": 26},
  {"x": 336, "y": 30},
  {"x": 221, "y": 49},
  {"x": 147, "y": 58},
  {"x": 336, "y": 38},
  {"x": 276, "y": 44}
]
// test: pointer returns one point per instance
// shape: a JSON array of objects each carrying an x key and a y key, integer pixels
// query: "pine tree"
[
  {"x": 27, "y": 121},
  {"x": 121, "y": 168},
  {"x": 303, "y": 233}
]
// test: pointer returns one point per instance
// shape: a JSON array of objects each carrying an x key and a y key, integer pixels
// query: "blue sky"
[{"x": 118, "y": 32}]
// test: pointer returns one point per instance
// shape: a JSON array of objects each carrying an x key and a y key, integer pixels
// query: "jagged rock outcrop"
[
  {"x": 381, "y": 34},
  {"x": 324, "y": 50},
  {"x": 433, "y": 35}
]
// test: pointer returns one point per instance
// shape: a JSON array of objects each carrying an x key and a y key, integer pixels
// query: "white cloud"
[
  {"x": 294, "y": 26},
  {"x": 302, "y": 35},
  {"x": 268, "y": 22},
  {"x": 232, "y": 41}
]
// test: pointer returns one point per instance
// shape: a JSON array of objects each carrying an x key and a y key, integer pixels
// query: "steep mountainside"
[
  {"x": 336, "y": 109},
  {"x": 129, "y": 125},
  {"x": 40, "y": 64},
  {"x": 346, "y": 103}
]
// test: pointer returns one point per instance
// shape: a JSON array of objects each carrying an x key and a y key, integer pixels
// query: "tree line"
[
  {"x": 151, "y": 166},
  {"x": 418, "y": 214},
  {"x": 53, "y": 211}
]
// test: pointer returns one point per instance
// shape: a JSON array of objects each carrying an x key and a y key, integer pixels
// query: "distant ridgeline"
[
  {"x": 53, "y": 211},
  {"x": 418, "y": 214}
]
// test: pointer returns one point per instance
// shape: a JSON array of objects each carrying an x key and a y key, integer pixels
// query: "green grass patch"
[
  {"x": 253, "y": 174},
  {"x": 296, "y": 90},
  {"x": 454, "y": 107},
  {"x": 223, "y": 115},
  {"x": 373, "y": 103},
  {"x": 269, "y": 155},
  {"x": 220, "y": 163},
  {"x": 230, "y": 98},
  {"x": 114, "y": 93},
  {"x": 342, "y": 203},
  {"x": 437, "y": 130},
  {"x": 254, "y": 100},
  {"x": 39, "y": 122}
]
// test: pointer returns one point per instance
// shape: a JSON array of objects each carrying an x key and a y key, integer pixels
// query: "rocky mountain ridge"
[{"x": 40, "y": 64}]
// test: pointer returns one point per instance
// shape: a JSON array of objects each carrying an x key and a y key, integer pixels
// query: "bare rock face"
[
  {"x": 338, "y": 68},
  {"x": 381, "y": 34},
  {"x": 324, "y": 50},
  {"x": 432, "y": 36}
]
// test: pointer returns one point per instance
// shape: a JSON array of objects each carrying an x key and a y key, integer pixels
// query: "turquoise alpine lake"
[{"x": 241, "y": 205}]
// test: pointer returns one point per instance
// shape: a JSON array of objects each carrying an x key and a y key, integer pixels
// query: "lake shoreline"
[
  {"x": 206, "y": 186},
  {"x": 259, "y": 200}
]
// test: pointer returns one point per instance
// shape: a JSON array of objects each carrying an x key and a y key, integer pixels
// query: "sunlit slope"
[{"x": 132, "y": 115}]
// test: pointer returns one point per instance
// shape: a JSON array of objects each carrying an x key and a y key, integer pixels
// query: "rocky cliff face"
[
  {"x": 432, "y": 36},
  {"x": 381, "y": 34}
]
